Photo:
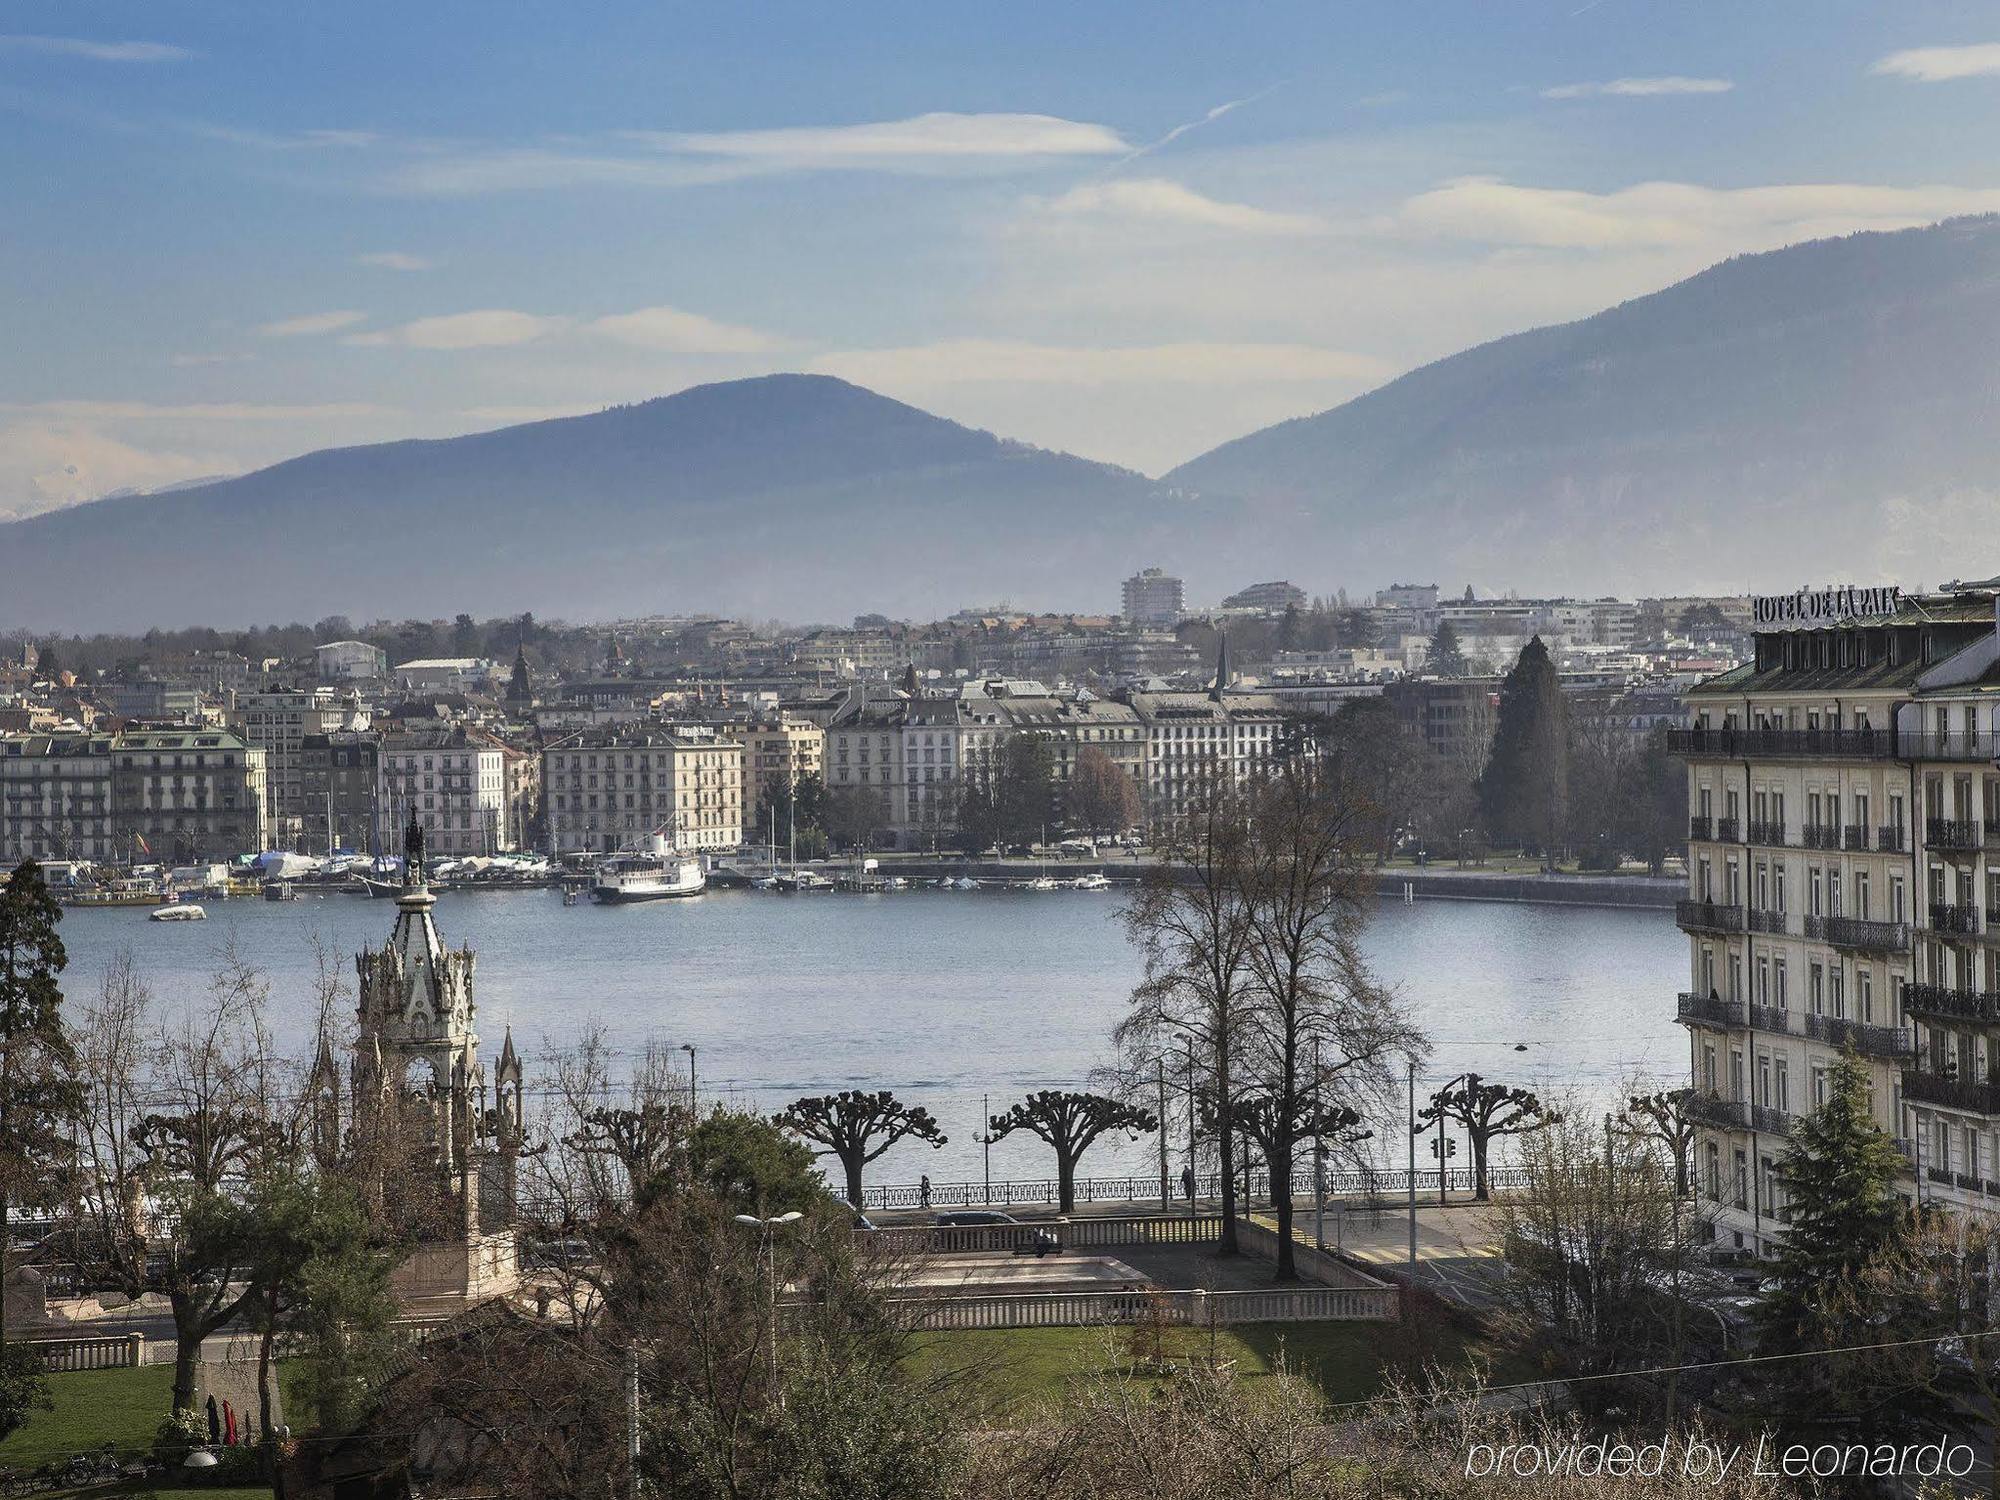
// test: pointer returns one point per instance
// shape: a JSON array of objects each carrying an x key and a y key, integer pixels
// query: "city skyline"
[{"x": 253, "y": 237}]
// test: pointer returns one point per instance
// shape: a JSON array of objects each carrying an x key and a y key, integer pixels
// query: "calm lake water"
[{"x": 940, "y": 995}]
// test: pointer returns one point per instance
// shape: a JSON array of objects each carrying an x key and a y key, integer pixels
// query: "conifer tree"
[
  {"x": 1524, "y": 792},
  {"x": 1446, "y": 654},
  {"x": 1838, "y": 1173}
]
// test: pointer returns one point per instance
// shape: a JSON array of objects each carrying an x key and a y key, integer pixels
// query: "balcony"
[
  {"x": 1727, "y": 831},
  {"x": 1770, "y": 1121},
  {"x": 1773, "y": 922},
  {"x": 1821, "y": 836},
  {"x": 1701, "y": 828},
  {"x": 1870, "y": 1041},
  {"x": 1953, "y": 744},
  {"x": 1966, "y": 1180},
  {"x": 1860, "y": 934},
  {"x": 1781, "y": 744},
  {"x": 1954, "y": 835},
  {"x": 1950, "y": 1004},
  {"x": 1889, "y": 838},
  {"x": 1950, "y": 1093},
  {"x": 1855, "y": 837},
  {"x": 1771, "y": 1018},
  {"x": 1718, "y": 1113},
  {"x": 1707, "y": 916},
  {"x": 1946, "y": 917},
  {"x": 1711, "y": 1010},
  {"x": 1771, "y": 835}
]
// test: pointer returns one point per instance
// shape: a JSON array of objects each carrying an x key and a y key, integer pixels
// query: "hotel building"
[{"x": 1843, "y": 889}]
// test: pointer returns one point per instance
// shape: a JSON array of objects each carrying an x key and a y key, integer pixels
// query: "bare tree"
[
  {"x": 1663, "y": 1117},
  {"x": 1320, "y": 1031},
  {"x": 1191, "y": 925}
]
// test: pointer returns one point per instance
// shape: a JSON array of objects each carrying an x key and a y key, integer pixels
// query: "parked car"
[
  {"x": 1043, "y": 1241},
  {"x": 861, "y": 1221}
]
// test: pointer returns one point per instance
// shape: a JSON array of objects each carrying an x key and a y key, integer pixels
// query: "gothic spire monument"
[{"x": 443, "y": 1161}]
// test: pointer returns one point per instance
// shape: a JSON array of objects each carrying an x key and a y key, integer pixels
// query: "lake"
[{"x": 942, "y": 996}]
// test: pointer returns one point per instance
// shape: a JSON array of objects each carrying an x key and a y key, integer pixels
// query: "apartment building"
[
  {"x": 776, "y": 752},
  {"x": 55, "y": 798},
  {"x": 1188, "y": 735},
  {"x": 187, "y": 796},
  {"x": 1843, "y": 868},
  {"x": 340, "y": 784},
  {"x": 454, "y": 779},
  {"x": 277, "y": 722},
  {"x": 1153, "y": 597},
  {"x": 607, "y": 789}
]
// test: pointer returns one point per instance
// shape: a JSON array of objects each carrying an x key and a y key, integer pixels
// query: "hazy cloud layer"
[
  {"x": 1942, "y": 64},
  {"x": 311, "y": 323},
  {"x": 1639, "y": 88},
  {"x": 72, "y": 46}
]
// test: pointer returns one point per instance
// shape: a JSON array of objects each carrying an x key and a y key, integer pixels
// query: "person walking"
[
  {"x": 924, "y": 1191},
  {"x": 1187, "y": 1184}
]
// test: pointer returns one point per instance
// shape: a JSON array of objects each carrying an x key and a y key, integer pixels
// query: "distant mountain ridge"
[
  {"x": 797, "y": 496},
  {"x": 1826, "y": 411}
]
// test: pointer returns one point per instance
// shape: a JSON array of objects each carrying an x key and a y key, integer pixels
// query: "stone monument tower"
[{"x": 418, "y": 1081}]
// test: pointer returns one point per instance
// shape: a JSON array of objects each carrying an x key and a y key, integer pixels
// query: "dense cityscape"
[{"x": 999, "y": 753}]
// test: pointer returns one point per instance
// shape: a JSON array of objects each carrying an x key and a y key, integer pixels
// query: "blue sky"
[{"x": 234, "y": 232}]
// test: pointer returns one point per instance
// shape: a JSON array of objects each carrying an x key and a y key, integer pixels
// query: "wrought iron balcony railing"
[
  {"x": 1946, "y": 917},
  {"x": 1951, "y": 1093},
  {"x": 1859, "y": 933},
  {"x": 1708, "y": 916},
  {"x": 1712, "y": 1010},
  {"x": 1773, "y": 922},
  {"x": 1715, "y": 1111},
  {"x": 1872, "y": 1041},
  {"x": 1771, "y": 835},
  {"x": 1781, "y": 744},
  {"x": 1954, "y": 835},
  {"x": 1889, "y": 838},
  {"x": 1855, "y": 837},
  {"x": 1951, "y": 1004},
  {"x": 1772, "y": 1018}
]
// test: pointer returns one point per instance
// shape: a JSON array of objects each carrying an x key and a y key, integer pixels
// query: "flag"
[{"x": 144, "y": 847}]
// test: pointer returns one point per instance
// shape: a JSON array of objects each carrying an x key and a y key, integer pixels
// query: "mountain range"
[{"x": 1822, "y": 412}]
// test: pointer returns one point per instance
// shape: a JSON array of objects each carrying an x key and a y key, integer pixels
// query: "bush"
[
  {"x": 24, "y": 1387},
  {"x": 179, "y": 1436}
]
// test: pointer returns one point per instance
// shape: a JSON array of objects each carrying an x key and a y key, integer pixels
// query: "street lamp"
[
  {"x": 985, "y": 1136},
  {"x": 694, "y": 1099},
  {"x": 1188, "y": 1042},
  {"x": 769, "y": 1251}
]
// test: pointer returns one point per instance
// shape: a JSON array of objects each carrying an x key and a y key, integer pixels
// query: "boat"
[
  {"x": 764, "y": 883},
  {"x": 280, "y": 890},
  {"x": 178, "y": 911},
  {"x": 1041, "y": 883},
  {"x": 802, "y": 880},
  {"x": 965, "y": 883},
  {"x": 651, "y": 874},
  {"x": 380, "y": 889},
  {"x": 1095, "y": 881},
  {"x": 895, "y": 883}
]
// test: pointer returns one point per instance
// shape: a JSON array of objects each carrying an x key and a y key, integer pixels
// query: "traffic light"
[{"x": 1444, "y": 1147}]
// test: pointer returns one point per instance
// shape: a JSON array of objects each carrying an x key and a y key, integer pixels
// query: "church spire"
[{"x": 1221, "y": 666}]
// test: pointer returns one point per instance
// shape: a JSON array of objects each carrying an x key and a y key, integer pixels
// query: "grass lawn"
[
  {"x": 1018, "y": 1367},
  {"x": 95, "y": 1407}
]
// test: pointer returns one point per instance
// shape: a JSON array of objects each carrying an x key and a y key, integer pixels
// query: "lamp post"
[
  {"x": 1160, "y": 1063},
  {"x": 985, "y": 1137},
  {"x": 694, "y": 1098},
  {"x": 1188, "y": 1042},
  {"x": 769, "y": 1252}
]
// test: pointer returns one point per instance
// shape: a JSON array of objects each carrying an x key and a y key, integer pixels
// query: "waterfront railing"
[{"x": 1343, "y": 1183}]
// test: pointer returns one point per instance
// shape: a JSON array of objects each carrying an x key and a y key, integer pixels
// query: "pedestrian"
[
  {"x": 214, "y": 1421},
  {"x": 1187, "y": 1184},
  {"x": 924, "y": 1191}
]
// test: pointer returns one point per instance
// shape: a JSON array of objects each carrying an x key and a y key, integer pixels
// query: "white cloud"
[
  {"x": 484, "y": 328},
  {"x": 1010, "y": 361},
  {"x": 1941, "y": 64},
  {"x": 196, "y": 361},
  {"x": 394, "y": 260},
  {"x": 310, "y": 323},
  {"x": 1156, "y": 198},
  {"x": 930, "y": 144},
  {"x": 919, "y": 139},
  {"x": 72, "y": 46},
  {"x": 1639, "y": 88},
  {"x": 1658, "y": 214},
  {"x": 198, "y": 411},
  {"x": 672, "y": 331}
]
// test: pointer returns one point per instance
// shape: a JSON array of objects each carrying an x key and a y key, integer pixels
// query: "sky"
[{"x": 234, "y": 232}]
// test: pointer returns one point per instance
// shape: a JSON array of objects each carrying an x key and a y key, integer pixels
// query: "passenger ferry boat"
[{"x": 652, "y": 873}]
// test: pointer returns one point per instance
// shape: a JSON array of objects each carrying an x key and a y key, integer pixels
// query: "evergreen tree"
[
  {"x": 1839, "y": 1177},
  {"x": 40, "y": 1093},
  {"x": 1446, "y": 657},
  {"x": 1524, "y": 793}
]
